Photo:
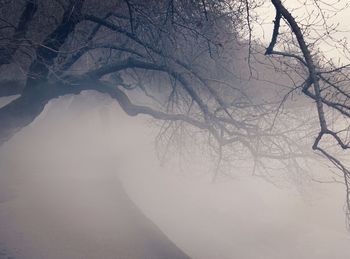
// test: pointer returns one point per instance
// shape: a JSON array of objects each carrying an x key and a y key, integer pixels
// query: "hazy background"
[
  {"x": 62, "y": 179},
  {"x": 65, "y": 167}
]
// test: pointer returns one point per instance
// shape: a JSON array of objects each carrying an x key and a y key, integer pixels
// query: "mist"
[{"x": 62, "y": 182}]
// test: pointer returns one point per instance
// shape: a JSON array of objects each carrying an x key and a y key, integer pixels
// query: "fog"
[{"x": 61, "y": 195}]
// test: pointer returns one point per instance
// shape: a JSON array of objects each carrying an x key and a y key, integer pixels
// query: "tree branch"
[
  {"x": 39, "y": 68},
  {"x": 11, "y": 87},
  {"x": 20, "y": 32}
]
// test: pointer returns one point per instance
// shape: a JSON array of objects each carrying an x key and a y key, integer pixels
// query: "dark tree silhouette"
[{"x": 180, "y": 55}]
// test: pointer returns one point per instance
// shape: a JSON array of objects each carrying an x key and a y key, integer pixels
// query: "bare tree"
[
  {"x": 181, "y": 56},
  {"x": 324, "y": 81}
]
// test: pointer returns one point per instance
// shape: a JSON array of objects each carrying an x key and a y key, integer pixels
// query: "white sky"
[{"x": 267, "y": 14}]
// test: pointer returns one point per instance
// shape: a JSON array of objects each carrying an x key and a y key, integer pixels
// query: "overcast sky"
[{"x": 340, "y": 16}]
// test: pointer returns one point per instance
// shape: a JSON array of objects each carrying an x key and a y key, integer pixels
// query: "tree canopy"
[{"x": 196, "y": 64}]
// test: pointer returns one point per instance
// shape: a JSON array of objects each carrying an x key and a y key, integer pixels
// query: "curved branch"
[
  {"x": 275, "y": 33},
  {"x": 133, "y": 109}
]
